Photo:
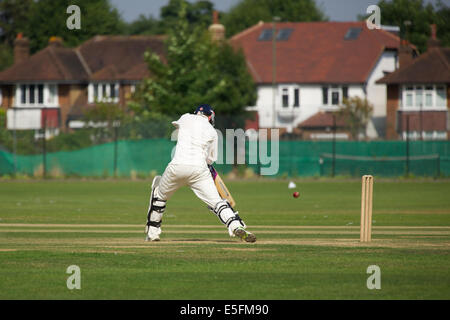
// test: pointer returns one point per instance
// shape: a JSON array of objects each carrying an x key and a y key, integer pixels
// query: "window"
[
  {"x": 281, "y": 35},
  {"x": 296, "y": 97},
  {"x": 36, "y": 94},
  {"x": 426, "y": 97},
  {"x": 40, "y": 88},
  {"x": 419, "y": 96},
  {"x": 52, "y": 94},
  {"x": 23, "y": 94},
  {"x": 285, "y": 98},
  {"x": 345, "y": 92},
  {"x": 333, "y": 95},
  {"x": 335, "y": 98},
  {"x": 112, "y": 90},
  {"x": 105, "y": 92},
  {"x": 265, "y": 35},
  {"x": 284, "y": 34},
  {"x": 96, "y": 90},
  {"x": 429, "y": 96},
  {"x": 325, "y": 95},
  {"x": 352, "y": 33},
  {"x": 440, "y": 97},
  {"x": 32, "y": 95},
  {"x": 409, "y": 96}
]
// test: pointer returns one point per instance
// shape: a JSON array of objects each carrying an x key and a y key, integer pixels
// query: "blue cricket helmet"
[{"x": 208, "y": 111}]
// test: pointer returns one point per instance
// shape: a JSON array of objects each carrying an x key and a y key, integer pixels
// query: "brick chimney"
[
  {"x": 405, "y": 54},
  {"x": 55, "y": 42},
  {"x": 433, "y": 42},
  {"x": 21, "y": 49},
  {"x": 217, "y": 30}
]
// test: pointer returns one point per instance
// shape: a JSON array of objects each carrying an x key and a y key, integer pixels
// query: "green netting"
[
  {"x": 296, "y": 158},
  {"x": 357, "y": 166}
]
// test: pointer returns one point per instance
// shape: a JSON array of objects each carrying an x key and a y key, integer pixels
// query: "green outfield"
[{"x": 307, "y": 248}]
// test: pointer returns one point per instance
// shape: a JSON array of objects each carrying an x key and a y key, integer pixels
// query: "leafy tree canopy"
[
  {"x": 420, "y": 16},
  {"x": 249, "y": 12},
  {"x": 39, "y": 20},
  {"x": 356, "y": 112},
  {"x": 198, "y": 14},
  {"x": 97, "y": 17},
  {"x": 197, "y": 71},
  {"x": 13, "y": 17}
]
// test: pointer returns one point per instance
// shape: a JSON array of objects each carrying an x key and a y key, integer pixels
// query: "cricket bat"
[{"x": 221, "y": 187}]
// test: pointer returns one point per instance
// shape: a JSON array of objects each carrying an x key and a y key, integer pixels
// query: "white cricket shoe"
[
  {"x": 153, "y": 234},
  {"x": 244, "y": 235}
]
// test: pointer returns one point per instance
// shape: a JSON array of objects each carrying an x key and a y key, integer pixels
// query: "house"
[
  {"x": 418, "y": 96},
  {"x": 52, "y": 88},
  {"x": 310, "y": 67}
]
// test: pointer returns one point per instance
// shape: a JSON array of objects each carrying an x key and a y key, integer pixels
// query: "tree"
[
  {"x": 249, "y": 12},
  {"x": 356, "y": 112},
  {"x": 47, "y": 18},
  {"x": 421, "y": 16},
  {"x": 14, "y": 15},
  {"x": 198, "y": 14},
  {"x": 108, "y": 118},
  {"x": 197, "y": 70},
  {"x": 6, "y": 56},
  {"x": 144, "y": 26},
  {"x": 442, "y": 19}
]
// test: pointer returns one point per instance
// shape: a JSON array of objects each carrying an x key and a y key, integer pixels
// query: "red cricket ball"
[{"x": 296, "y": 194}]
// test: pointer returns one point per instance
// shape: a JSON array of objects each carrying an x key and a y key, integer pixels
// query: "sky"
[{"x": 336, "y": 10}]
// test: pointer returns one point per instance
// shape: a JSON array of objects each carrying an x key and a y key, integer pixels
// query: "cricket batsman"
[{"x": 195, "y": 152}]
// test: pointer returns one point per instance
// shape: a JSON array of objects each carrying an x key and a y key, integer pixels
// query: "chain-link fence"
[{"x": 143, "y": 149}]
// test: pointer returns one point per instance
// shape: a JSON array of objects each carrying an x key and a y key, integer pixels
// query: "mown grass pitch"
[{"x": 307, "y": 248}]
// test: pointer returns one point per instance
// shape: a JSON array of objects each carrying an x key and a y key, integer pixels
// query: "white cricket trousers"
[{"x": 198, "y": 178}]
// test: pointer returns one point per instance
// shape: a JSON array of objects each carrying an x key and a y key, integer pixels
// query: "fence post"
[
  {"x": 438, "y": 169},
  {"x": 333, "y": 163},
  {"x": 321, "y": 166},
  {"x": 116, "y": 135},
  {"x": 44, "y": 146},
  {"x": 15, "y": 143},
  {"x": 407, "y": 146}
]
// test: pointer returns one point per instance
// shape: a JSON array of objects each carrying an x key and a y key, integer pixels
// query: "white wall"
[
  {"x": 311, "y": 99},
  {"x": 310, "y": 104},
  {"x": 376, "y": 93},
  {"x": 23, "y": 119}
]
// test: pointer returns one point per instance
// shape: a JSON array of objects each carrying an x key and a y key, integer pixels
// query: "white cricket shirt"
[{"x": 197, "y": 141}]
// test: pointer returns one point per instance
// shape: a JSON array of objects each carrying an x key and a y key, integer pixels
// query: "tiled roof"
[
  {"x": 322, "y": 120},
  {"x": 315, "y": 52},
  {"x": 50, "y": 64},
  {"x": 122, "y": 52},
  {"x": 137, "y": 72},
  {"x": 101, "y": 58},
  {"x": 431, "y": 67}
]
